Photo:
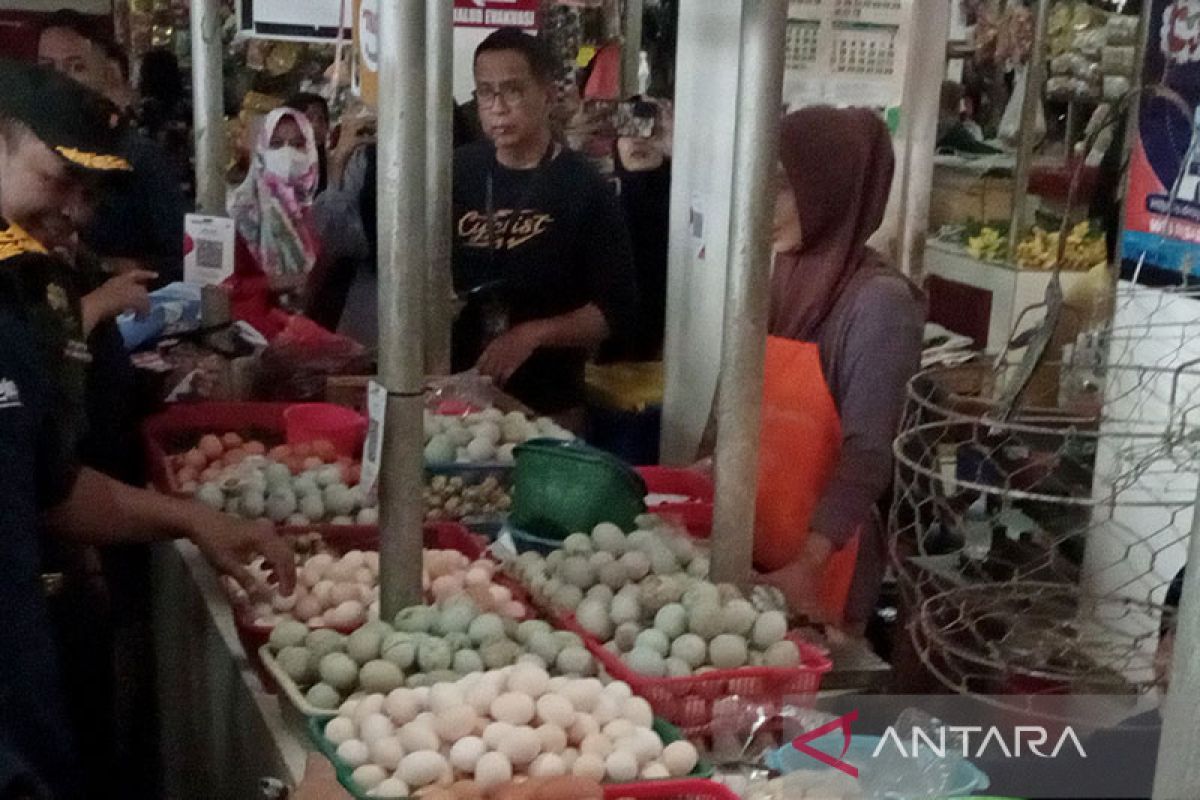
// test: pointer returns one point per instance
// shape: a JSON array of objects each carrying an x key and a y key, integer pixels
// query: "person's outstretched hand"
[
  {"x": 566, "y": 788},
  {"x": 320, "y": 782},
  {"x": 125, "y": 292},
  {"x": 508, "y": 352},
  {"x": 230, "y": 543}
]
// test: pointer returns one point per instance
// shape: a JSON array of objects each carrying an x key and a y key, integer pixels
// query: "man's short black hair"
[
  {"x": 541, "y": 62},
  {"x": 80, "y": 24},
  {"x": 301, "y": 101}
]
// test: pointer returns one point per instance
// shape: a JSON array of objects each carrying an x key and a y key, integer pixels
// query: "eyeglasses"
[{"x": 512, "y": 92}]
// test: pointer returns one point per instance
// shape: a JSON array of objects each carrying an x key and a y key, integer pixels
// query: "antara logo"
[{"x": 1024, "y": 739}]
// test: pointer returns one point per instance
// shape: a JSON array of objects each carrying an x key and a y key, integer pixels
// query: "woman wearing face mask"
[
  {"x": 844, "y": 338},
  {"x": 277, "y": 245}
]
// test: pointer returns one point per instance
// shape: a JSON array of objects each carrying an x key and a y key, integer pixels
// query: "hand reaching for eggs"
[{"x": 230, "y": 544}]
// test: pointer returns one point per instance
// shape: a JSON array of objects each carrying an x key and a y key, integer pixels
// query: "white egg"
[
  {"x": 455, "y": 723},
  {"x": 495, "y": 733},
  {"x": 376, "y": 727},
  {"x": 422, "y": 768},
  {"x": 655, "y": 771},
  {"x": 680, "y": 758},
  {"x": 556, "y": 710},
  {"x": 644, "y": 744},
  {"x": 347, "y": 614},
  {"x": 513, "y": 708},
  {"x": 528, "y": 680},
  {"x": 522, "y": 746},
  {"x": 390, "y": 789},
  {"x": 402, "y": 706},
  {"x": 638, "y": 711},
  {"x": 547, "y": 765},
  {"x": 492, "y": 769},
  {"x": 569, "y": 756},
  {"x": 583, "y": 693},
  {"x": 354, "y": 753},
  {"x": 585, "y": 725},
  {"x": 620, "y": 690},
  {"x": 482, "y": 695},
  {"x": 588, "y": 767},
  {"x": 621, "y": 767},
  {"x": 415, "y": 737},
  {"x": 387, "y": 752},
  {"x": 346, "y": 709},
  {"x": 597, "y": 744},
  {"x": 607, "y": 709},
  {"x": 368, "y": 705},
  {"x": 466, "y": 752},
  {"x": 553, "y": 737},
  {"x": 368, "y": 776},
  {"x": 619, "y": 729},
  {"x": 444, "y": 696},
  {"x": 339, "y": 729}
]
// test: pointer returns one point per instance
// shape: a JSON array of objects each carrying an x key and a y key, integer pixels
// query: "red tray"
[
  {"x": 342, "y": 539},
  {"x": 696, "y": 513},
  {"x": 682, "y": 789},
  {"x": 688, "y": 702}
]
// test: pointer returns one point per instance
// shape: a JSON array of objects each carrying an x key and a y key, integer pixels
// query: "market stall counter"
[{"x": 221, "y": 731}]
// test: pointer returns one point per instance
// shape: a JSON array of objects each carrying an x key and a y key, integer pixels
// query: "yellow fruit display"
[
  {"x": 988, "y": 245},
  {"x": 1084, "y": 249}
]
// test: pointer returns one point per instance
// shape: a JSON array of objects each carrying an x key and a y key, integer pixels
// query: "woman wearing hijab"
[
  {"x": 844, "y": 339},
  {"x": 276, "y": 240}
]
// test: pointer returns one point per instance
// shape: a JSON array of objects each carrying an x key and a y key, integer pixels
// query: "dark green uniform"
[
  {"x": 36, "y": 472},
  {"x": 43, "y": 363}
]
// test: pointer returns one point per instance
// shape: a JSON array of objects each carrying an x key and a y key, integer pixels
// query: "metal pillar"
[
  {"x": 208, "y": 105},
  {"x": 631, "y": 48},
  {"x": 1035, "y": 81},
  {"x": 403, "y": 267},
  {"x": 439, "y": 143},
  {"x": 922, "y": 98},
  {"x": 747, "y": 292},
  {"x": 1178, "y": 772}
]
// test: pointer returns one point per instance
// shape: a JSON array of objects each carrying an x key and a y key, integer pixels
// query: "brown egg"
[
  {"x": 187, "y": 475},
  {"x": 295, "y": 463},
  {"x": 303, "y": 450},
  {"x": 255, "y": 448},
  {"x": 211, "y": 474},
  {"x": 195, "y": 459},
  {"x": 324, "y": 450},
  {"x": 234, "y": 457},
  {"x": 231, "y": 440},
  {"x": 467, "y": 790},
  {"x": 211, "y": 446},
  {"x": 312, "y": 462}
]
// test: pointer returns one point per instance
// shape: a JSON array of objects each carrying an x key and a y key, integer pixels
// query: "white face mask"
[{"x": 287, "y": 163}]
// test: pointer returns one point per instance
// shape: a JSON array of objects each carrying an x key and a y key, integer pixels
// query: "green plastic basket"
[
  {"x": 560, "y": 488},
  {"x": 316, "y": 730}
]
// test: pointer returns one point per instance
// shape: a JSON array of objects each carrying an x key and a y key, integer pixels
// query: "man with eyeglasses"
[{"x": 542, "y": 257}]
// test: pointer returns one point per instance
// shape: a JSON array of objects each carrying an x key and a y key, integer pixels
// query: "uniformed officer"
[{"x": 57, "y": 144}]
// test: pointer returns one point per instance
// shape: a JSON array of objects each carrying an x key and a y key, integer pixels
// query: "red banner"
[{"x": 496, "y": 13}]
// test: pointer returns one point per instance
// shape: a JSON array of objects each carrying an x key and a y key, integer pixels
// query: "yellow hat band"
[
  {"x": 14, "y": 242},
  {"x": 94, "y": 160}
]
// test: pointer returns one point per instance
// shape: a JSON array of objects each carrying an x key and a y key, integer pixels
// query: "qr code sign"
[{"x": 210, "y": 254}]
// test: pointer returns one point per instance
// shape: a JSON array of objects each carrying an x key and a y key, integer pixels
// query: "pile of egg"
[
  {"x": 485, "y": 437},
  {"x": 215, "y": 458},
  {"x": 485, "y": 728},
  {"x": 343, "y": 591}
]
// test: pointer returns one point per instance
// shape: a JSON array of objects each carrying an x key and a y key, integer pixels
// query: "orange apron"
[{"x": 799, "y": 446}]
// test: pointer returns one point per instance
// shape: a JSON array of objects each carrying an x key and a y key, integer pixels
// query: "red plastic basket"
[
  {"x": 688, "y": 702},
  {"x": 683, "y": 789},
  {"x": 181, "y": 426},
  {"x": 696, "y": 512},
  {"x": 342, "y": 539}
]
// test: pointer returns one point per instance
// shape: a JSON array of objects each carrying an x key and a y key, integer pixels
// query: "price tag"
[
  {"x": 208, "y": 247},
  {"x": 373, "y": 446}
]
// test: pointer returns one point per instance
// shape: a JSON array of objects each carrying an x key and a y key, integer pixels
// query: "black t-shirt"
[
  {"x": 36, "y": 472},
  {"x": 560, "y": 243},
  {"x": 646, "y": 200}
]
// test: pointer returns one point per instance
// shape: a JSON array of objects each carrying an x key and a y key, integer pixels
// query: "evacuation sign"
[{"x": 496, "y": 13}]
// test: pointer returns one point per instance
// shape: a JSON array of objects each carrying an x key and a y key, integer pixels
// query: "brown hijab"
[{"x": 839, "y": 163}]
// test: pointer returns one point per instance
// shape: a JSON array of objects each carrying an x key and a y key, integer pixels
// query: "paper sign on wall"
[
  {"x": 208, "y": 246},
  {"x": 496, "y": 13}
]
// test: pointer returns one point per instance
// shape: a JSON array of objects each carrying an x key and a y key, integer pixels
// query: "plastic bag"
[
  {"x": 1010, "y": 123},
  {"x": 298, "y": 361}
]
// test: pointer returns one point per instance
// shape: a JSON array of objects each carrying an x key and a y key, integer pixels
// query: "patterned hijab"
[
  {"x": 839, "y": 163},
  {"x": 272, "y": 211}
]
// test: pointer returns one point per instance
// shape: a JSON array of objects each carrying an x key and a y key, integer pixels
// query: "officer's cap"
[{"x": 76, "y": 123}]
